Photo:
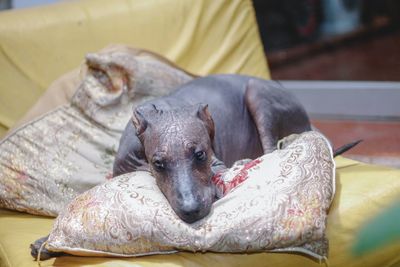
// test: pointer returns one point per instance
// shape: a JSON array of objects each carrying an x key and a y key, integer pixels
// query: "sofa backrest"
[{"x": 37, "y": 45}]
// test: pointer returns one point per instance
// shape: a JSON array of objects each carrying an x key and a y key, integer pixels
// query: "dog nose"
[{"x": 191, "y": 211}]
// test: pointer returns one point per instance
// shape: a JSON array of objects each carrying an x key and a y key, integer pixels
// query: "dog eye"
[
  {"x": 159, "y": 165},
  {"x": 200, "y": 155}
]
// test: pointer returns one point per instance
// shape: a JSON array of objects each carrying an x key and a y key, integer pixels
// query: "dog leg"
[
  {"x": 259, "y": 107},
  {"x": 44, "y": 253}
]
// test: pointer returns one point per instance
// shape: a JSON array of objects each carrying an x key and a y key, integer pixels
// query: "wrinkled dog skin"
[{"x": 210, "y": 122}]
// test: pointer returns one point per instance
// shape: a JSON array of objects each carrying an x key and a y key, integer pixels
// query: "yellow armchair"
[{"x": 203, "y": 36}]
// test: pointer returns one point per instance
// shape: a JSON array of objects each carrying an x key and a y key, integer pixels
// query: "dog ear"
[
  {"x": 139, "y": 122},
  {"x": 141, "y": 115},
  {"x": 205, "y": 116}
]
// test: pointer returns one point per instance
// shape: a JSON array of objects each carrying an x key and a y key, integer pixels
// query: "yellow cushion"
[
  {"x": 362, "y": 192},
  {"x": 40, "y": 44}
]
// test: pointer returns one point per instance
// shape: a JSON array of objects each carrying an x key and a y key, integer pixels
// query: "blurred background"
[
  {"x": 358, "y": 38},
  {"x": 341, "y": 40},
  {"x": 355, "y": 43}
]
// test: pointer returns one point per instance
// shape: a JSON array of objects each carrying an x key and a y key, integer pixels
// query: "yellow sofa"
[{"x": 212, "y": 36}]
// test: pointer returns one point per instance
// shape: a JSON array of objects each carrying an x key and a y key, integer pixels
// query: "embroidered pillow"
[
  {"x": 48, "y": 162},
  {"x": 278, "y": 202}
]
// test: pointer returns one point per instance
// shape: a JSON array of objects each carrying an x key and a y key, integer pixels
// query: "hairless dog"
[{"x": 203, "y": 126}]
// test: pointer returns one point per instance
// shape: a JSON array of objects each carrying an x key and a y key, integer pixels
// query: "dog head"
[{"x": 178, "y": 148}]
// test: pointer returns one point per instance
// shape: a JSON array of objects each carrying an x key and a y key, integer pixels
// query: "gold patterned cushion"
[
  {"x": 49, "y": 161},
  {"x": 280, "y": 205}
]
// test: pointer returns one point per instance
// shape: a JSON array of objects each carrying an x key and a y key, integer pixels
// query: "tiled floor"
[{"x": 371, "y": 59}]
